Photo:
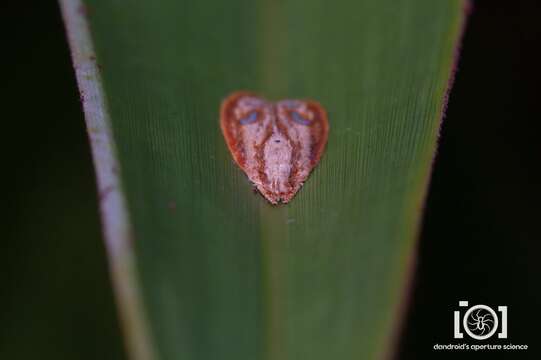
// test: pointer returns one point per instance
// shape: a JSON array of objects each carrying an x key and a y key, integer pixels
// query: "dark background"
[
  {"x": 481, "y": 234},
  {"x": 480, "y": 238}
]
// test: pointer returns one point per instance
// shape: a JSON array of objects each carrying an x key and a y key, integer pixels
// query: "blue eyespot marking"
[
  {"x": 251, "y": 118},
  {"x": 299, "y": 119}
]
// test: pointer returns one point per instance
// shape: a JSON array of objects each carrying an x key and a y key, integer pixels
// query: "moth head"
[{"x": 296, "y": 112}]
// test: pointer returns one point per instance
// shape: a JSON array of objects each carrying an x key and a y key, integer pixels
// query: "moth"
[{"x": 277, "y": 144}]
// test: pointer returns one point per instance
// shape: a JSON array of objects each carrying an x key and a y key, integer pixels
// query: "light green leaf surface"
[{"x": 203, "y": 267}]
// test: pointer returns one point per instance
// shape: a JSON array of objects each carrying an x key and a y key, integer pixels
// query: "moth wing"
[
  {"x": 306, "y": 116},
  {"x": 237, "y": 110},
  {"x": 319, "y": 128}
]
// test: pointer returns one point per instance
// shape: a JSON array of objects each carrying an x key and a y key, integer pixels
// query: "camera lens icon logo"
[{"x": 480, "y": 322}]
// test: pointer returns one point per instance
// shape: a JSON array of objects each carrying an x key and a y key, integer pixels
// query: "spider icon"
[{"x": 480, "y": 322}]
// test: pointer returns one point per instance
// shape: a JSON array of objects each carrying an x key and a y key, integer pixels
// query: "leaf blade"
[{"x": 290, "y": 281}]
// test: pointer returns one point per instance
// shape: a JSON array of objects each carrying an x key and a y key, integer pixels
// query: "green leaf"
[{"x": 203, "y": 267}]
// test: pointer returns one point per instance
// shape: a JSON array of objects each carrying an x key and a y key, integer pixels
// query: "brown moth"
[{"x": 276, "y": 144}]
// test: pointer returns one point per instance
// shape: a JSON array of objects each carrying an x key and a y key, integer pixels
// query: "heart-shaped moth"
[{"x": 277, "y": 144}]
